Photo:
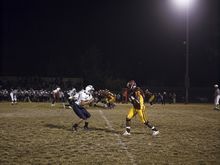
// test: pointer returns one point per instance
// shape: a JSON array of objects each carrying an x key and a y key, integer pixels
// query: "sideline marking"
[{"x": 122, "y": 145}]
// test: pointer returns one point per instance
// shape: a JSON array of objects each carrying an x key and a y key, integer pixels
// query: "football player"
[
  {"x": 110, "y": 99},
  {"x": 70, "y": 94},
  {"x": 217, "y": 97},
  {"x": 13, "y": 95},
  {"x": 55, "y": 95},
  {"x": 150, "y": 96},
  {"x": 106, "y": 97},
  {"x": 136, "y": 97},
  {"x": 77, "y": 102}
]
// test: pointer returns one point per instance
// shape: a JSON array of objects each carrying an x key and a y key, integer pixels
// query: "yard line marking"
[{"x": 121, "y": 144}]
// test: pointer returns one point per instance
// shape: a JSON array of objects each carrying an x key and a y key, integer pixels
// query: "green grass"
[{"x": 36, "y": 133}]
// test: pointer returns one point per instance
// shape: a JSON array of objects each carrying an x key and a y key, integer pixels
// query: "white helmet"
[
  {"x": 216, "y": 85},
  {"x": 72, "y": 92},
  {"x": 89, "y": 89},
  {"x": 58, "y": 89}
]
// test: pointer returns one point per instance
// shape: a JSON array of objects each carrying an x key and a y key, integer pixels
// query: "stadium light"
[{"x": 185, "y": 5}]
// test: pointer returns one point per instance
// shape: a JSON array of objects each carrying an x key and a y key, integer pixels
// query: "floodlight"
[{"x": 182, "y": 4}]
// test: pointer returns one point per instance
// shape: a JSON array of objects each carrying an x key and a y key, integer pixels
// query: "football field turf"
[{"x": 36, "y": 133}]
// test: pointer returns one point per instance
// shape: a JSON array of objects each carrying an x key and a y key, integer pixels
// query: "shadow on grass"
[
  {"x": 57, "y": 127},
  {"x": 53, "y": 126},
  {"x": 111, "y": 131},
  {"x": 104, "y": 130}
]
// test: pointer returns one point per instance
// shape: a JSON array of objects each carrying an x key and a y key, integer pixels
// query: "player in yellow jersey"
[
  {"x": 110, "y": 99},
  {"x": 136, "y": 97},
  {"x": 150, "y": 97}
]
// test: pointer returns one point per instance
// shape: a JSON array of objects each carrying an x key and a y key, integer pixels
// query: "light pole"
[
  {"x": 187, "y": 80},
  {"x": 185, "y": 4}
]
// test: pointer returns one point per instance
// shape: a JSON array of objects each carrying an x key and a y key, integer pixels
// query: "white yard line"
[{"x": 121, "y": 144}]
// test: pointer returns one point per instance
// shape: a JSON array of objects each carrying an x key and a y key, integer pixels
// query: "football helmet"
[
  {"x": 216, "y": 85},
  {"x": 72, "y": 92},
  {"x": 131, "y": 84},
  {"x": 89, "y": 89}
]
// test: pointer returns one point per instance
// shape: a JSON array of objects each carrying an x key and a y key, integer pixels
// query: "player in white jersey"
[
  {"x": 217, "y": 97},
  {"x": 77, "y": 102},
  {"x": 13, "y": 95},
  {"x": 55, "y": 95},
  {"x": 70, "y": 94}
]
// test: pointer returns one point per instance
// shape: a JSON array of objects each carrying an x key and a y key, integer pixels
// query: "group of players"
[
  {"x": 136, "y": 96},
  {"x": 87, "y": 96},
  {"x": 78, "y": 100}
]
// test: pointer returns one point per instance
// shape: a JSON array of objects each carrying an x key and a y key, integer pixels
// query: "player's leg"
[
  {"x": 15, "y": 99},
  {"x": 52, "y": 100},
  {"x": 86, "y": 116},
  {"x": 144, "y": 119},
  {"x": 217, "y": 98},
  {"x": 130, "y": 115},
  {"x": 151, "y": 100},
  {"x": 76, "y": 124},
  {"x": 77, "y": 109},
  {"x": 12, "y": 98},
  {"x": 217, "y": 102}
]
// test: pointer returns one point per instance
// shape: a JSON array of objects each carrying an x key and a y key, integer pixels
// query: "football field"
[{"x": 36, "y": 133}]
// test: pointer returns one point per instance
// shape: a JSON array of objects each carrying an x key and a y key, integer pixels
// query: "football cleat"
[
  {"x": 74, "y": 127},
  {"x": 155, "y": 133},
  {"x": 216, "y": 108},
  {"x": 126, "y": 133}
]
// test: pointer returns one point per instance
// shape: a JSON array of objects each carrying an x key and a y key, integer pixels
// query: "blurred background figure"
[
  {"x": 150, "y": 97},
  {"x": 106, "y": 97},
  {"x": 217, "y": 97},
  {"x": 174, "y": 97},
  {"x": 55, "y": 95},
  {"x": 13, "y": 95}
]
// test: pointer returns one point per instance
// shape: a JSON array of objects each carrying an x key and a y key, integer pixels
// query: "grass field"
[{"x": 36, "y": 133}]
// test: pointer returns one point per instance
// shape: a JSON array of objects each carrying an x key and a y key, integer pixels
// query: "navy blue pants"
[{"x": 80, "y": 111}]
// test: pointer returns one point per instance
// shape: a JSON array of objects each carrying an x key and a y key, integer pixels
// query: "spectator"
[
  {"x": 174, "y": 97},
  {"x": 164, "y": 98}
]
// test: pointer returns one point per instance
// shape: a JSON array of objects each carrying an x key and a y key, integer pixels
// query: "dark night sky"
[{"x": 122, "y": 39}]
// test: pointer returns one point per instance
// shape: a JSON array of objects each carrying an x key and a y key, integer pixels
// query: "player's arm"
[
  {"x": 135, "y": 102},
  {"x": 86, "y": 102}
]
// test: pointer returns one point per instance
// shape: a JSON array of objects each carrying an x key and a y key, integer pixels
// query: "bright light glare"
[{"x": 182, "y": 4}]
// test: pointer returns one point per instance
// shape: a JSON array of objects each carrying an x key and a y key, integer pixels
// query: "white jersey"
[
  {"x": 56, "y": 91},
  {"x": 217, "y": 97},
  {"x": 72, "y": 92},
  {"x": 217, "y": 92},
  {"x": 13, "y": 95},
  {"x": 83, "y": 96}
]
